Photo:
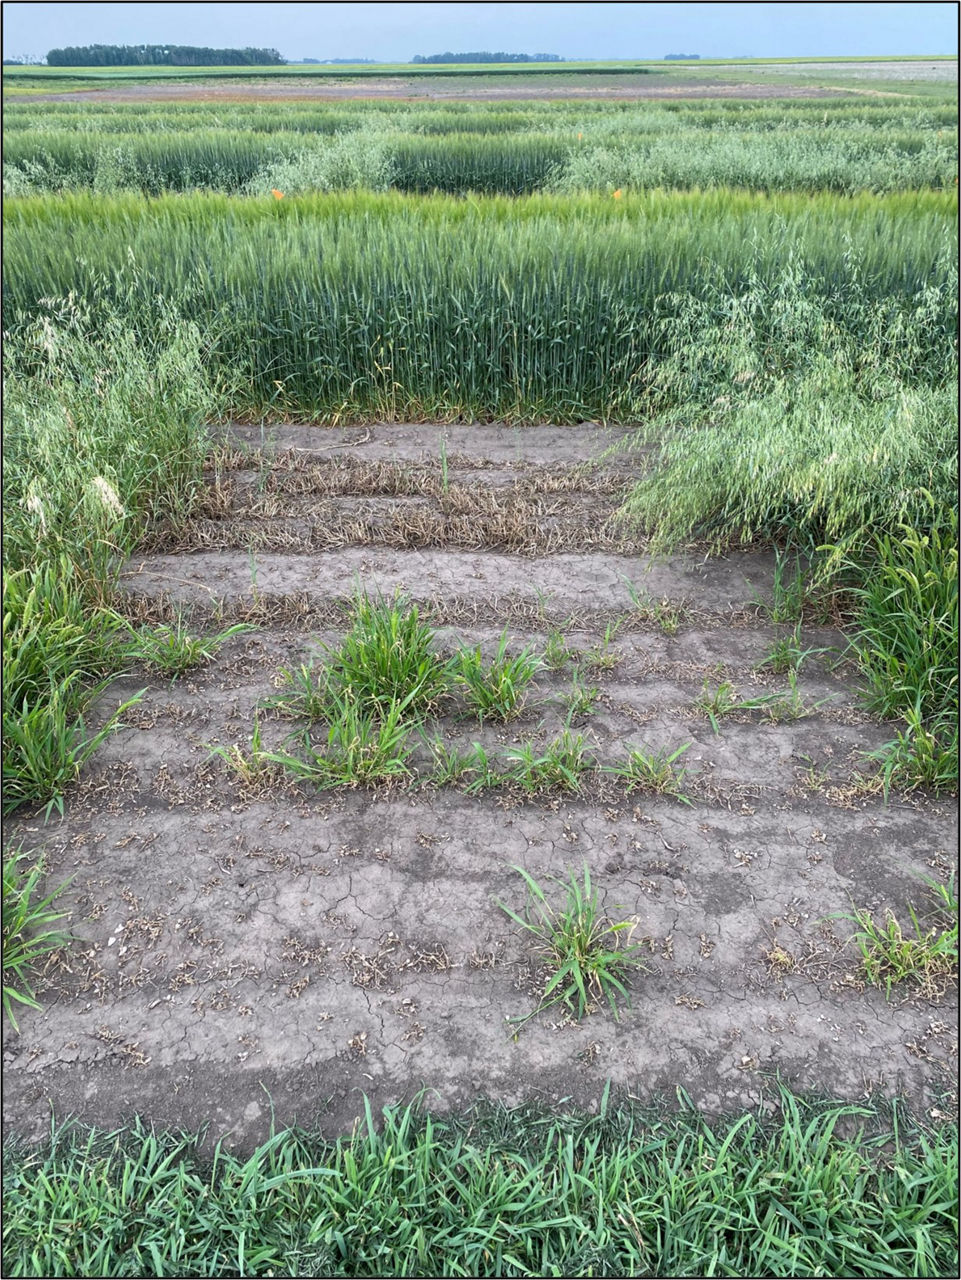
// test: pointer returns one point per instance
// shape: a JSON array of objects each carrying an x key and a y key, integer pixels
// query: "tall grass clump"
[
  {"x": 774, "y": 420},
  {"x": 906, "y": 643},
  {"x": 817, "y": 1188},
  {"x": 778, "y": 423},
  {"x": 27, "y": 932},
  {"x": 102, "y": 435},
  {"x": 361, "y": 159}
]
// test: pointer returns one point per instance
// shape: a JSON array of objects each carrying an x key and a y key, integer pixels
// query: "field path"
[{"x": 236, "y": 950}]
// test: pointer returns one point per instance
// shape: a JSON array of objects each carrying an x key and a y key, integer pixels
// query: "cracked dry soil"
[{"x": 234, "y": 952}]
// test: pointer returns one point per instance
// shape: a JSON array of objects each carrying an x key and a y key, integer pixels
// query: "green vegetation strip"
[
  {"x": 829, "y": 1189},
  {"x": 561, "y": 309},
  {"x": 502, "y": 148}
]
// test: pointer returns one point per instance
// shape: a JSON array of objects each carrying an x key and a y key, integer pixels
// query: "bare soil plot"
[
  {"x": 594, "y": 87},
  {"x": 238, "y": 947}
]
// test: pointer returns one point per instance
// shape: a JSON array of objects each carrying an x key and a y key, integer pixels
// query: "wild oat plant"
[
  {"x": 171, "y": 650},
  {"x": 362, "y": 747},
  {"x": 560, "y": 765},
  {"x": 786, "y": 654},
  {"x": 496, "y": 690},
  {"x": 386, "y": 660},
  {"x": 925, "y": 957},
  {"x": 654, "y": 771},
  {"x": 582, "y": 946},
  {"x": 473, "y": 768},
  {"x": 304, "y": 693},
  {"x": 557, "y": 652},
  {"x": 580, "y": 700}
]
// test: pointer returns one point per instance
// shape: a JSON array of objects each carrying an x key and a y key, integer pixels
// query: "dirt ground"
[
  {"x": 438, "y": 91},
  {"x": 756, "y": 81},
  {"x": 238, "y": 952}
]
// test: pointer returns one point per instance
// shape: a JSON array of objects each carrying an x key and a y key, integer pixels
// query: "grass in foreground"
[{"x": 819, "y": 1188}]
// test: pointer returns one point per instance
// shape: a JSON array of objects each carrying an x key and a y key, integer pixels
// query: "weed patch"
[{"x": 581, "y": 945}]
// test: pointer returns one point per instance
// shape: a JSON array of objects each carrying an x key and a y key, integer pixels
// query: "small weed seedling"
[
  {"x": 472, "y": 768},
  {"x": 654, "y": 771},
  {"x": 717, "y": 702},
  {"x": 663, "y": 613},
  {"x": 581, "y": 945},
  {"x": 785, "y": 705},
  {"x": 580, "y": 700},
  {"x": 253, "y": 769},
  {"x": 557, "y": 652},
  {"x": 304, "y": 692},
  {"x": 789, "y": 593},
  {"x": 890, "y": 954},
  {"x": 171, "y": 650},
  {"x": 26, "y": 932},
  {"x": 497, "y": 691},
  {"x": 559, "y": 766},
  {"x": 601, "y": 657},
  {"x": 787, "y": 655}
]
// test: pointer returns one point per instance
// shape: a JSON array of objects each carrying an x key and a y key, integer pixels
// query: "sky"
[{"x": 396, "y": 32}]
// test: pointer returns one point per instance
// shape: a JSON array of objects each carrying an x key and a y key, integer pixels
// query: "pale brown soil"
[
  {"x": 440, "y": 91},
  {"x": 235, "y": 949}
]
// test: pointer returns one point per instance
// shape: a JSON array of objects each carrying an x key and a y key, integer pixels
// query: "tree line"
[{"x": 160, "y": 55}]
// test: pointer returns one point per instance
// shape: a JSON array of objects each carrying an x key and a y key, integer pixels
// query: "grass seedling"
[
  {"x": 787, "y": 655},
  {"x": 601, "y": 657},
  {"x": 662, "y": 613},
  {"x": 788, "y": 590},
  {"x": 46, "y": 745},
  {"x": 27, "y": 935},
  {"x": 171, "y": 650},
  {"x": 717, "y": 702},
  {"x": 557, "y": 652},
  {"x": 785, "y": 705},
  {"x": 451, "y": 766},
  {"x": 443, "y": 465},
  {"x": 580, "y": 943},
  {"x": 304, "y": 692},
  {"x": 498, "y": 690},
  {"x": 919, "y": 756},
  {"x": 363, "y": 747},
  {"x": 925, "y": 957},
  {"x": 472, "y": 768},
  {"x": 253, "y": 769},
  {"x": 559, "y": 766},
  {"x": 654, "y": 771},
  {"x": 386, "y": 659},
  {"x": 580, "y": 700}
]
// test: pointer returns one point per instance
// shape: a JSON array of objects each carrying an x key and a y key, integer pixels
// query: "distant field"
[{"x": 644, "y": 77}]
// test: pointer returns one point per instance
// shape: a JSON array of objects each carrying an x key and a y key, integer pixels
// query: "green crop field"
[
  {"x": 756, "y": 301},
  {"x": 514, "y": 149}
]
